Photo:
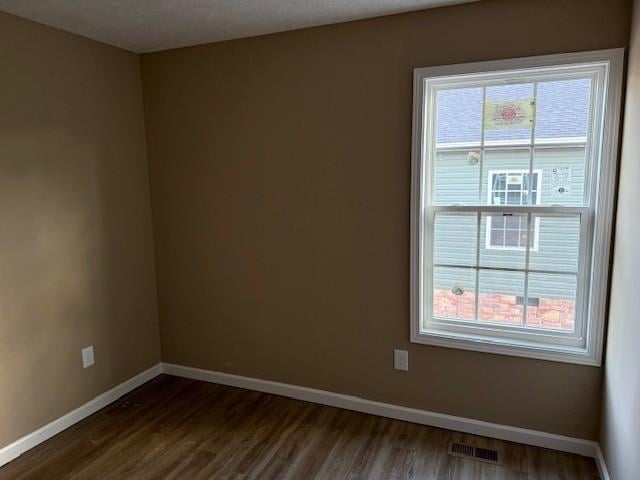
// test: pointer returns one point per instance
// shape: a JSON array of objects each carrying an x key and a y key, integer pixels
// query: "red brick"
[{"x": 496, "y": 308}]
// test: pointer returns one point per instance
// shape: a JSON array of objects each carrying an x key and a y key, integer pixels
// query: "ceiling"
[{"x": 152, "y": 25}]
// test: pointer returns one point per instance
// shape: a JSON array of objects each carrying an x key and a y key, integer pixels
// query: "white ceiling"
[{"x": 152, "y": 25}]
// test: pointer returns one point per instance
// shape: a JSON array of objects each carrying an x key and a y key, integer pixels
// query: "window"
[
  {"x": 511, "y": 187},
  {"x": 512, "y": 190}
]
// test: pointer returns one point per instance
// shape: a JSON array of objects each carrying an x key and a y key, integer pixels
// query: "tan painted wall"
[
  {"x": 620, "y": 431},
  {"x": 76, "y": 251},
  {"x": 280, "y": 170}
]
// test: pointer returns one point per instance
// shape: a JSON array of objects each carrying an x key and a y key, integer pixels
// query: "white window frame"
[
  {"x": 536, "y": 226},
  {"x": 596, "y": 225}
]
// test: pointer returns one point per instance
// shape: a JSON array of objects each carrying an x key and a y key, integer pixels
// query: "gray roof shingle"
[{"x": 562, "y": 111}]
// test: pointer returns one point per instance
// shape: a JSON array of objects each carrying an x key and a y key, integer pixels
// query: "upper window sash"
[{"x": 596, "y": 72}]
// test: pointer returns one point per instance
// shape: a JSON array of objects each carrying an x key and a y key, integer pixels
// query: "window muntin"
[
  {"x": 452, "y": 291},
  {"x": 511, "y": 187},
  {"x": 483, "y": 286}
]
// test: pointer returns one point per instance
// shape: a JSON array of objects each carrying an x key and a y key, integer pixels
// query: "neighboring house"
[{"x": 561, "y": 113}]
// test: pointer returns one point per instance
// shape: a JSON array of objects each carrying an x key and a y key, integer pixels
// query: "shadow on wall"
[
  {"x": 76, "y": 247},
  {"x": 71, "y": 274},
  {"x": 53, "y": 281}
]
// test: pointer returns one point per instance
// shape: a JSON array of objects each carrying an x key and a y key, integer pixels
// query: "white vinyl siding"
[{"x": 552, "y": 232}]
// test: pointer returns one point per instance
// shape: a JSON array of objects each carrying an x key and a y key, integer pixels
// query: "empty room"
[{"x": 319, "y": 239}]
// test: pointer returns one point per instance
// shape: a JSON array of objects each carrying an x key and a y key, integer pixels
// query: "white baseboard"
[
  {"x": 602, "y": 465},
  {"x": 476, "y": 427},
  {"x": 536, "y": 438},
  {"x": 17, "y": 448}
]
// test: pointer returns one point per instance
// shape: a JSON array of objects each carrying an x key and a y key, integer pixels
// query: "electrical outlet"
[
  {"x": 401, "y": 360},
  {"x": 87, "y": 357}
]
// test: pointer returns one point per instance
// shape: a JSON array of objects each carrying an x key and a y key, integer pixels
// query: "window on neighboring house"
[
  {"x": 511, "y": 187},
  {"x": 512, "y": 195}
]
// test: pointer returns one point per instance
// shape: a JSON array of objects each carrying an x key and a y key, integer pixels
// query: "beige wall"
[
  {"x": 76, "y": 251},
  {"x": 620, "y": 431},
  {"x": 280, "y": 170}
]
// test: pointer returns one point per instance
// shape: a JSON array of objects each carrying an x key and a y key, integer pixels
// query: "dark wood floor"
[{"x": 173, "y": 428}]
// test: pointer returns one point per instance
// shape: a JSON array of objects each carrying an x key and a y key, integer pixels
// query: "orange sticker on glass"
[{"x": 509, "y": 114}]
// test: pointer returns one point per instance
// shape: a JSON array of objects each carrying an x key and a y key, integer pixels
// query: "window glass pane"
[
  {"x": 562, "y": 109},
  {"x": 505, "y": 176},
  {"x": 459, "y": 113},
  {"x": 514, "y": 198},
  {"x": 498, "y": 292},
  {"x": 563, "y": 175},
  {"x": 556, "y": 243},
  {"x": 509, "y": 113},
  {"x": 455, "y": 239},
  {"x": 497, "y": 268},
  {"x": 556, "y": 294},
  {"x": 457, "y": 177},
  {"x": 503, "y": 240},
  {"x": 454, "y": 293}
]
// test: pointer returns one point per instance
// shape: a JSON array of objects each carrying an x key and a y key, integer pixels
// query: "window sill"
[{"x": 502, "y": 346}]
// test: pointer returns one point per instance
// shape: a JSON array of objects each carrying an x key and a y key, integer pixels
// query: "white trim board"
[
  {"x": 601, "y": 464},
  {"x": 476, "y": 427},
  {"x": 604, "y": 68},
  {"x": 536, "y": 438},
  {"x": 17, "y": 448}
]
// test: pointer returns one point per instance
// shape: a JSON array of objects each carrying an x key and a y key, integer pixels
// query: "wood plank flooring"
[{"x": 174, "y": 428}]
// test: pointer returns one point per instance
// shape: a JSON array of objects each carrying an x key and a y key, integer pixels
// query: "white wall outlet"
[
  {"x": 401, "y": 360},
  {"x": 87, "y": 357}
]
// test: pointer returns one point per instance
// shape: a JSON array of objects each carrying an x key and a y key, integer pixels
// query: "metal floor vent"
[{"x": 475, "y": 453}]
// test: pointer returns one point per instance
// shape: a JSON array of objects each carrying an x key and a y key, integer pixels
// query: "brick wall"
[{"x": 502, "y": 309}]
